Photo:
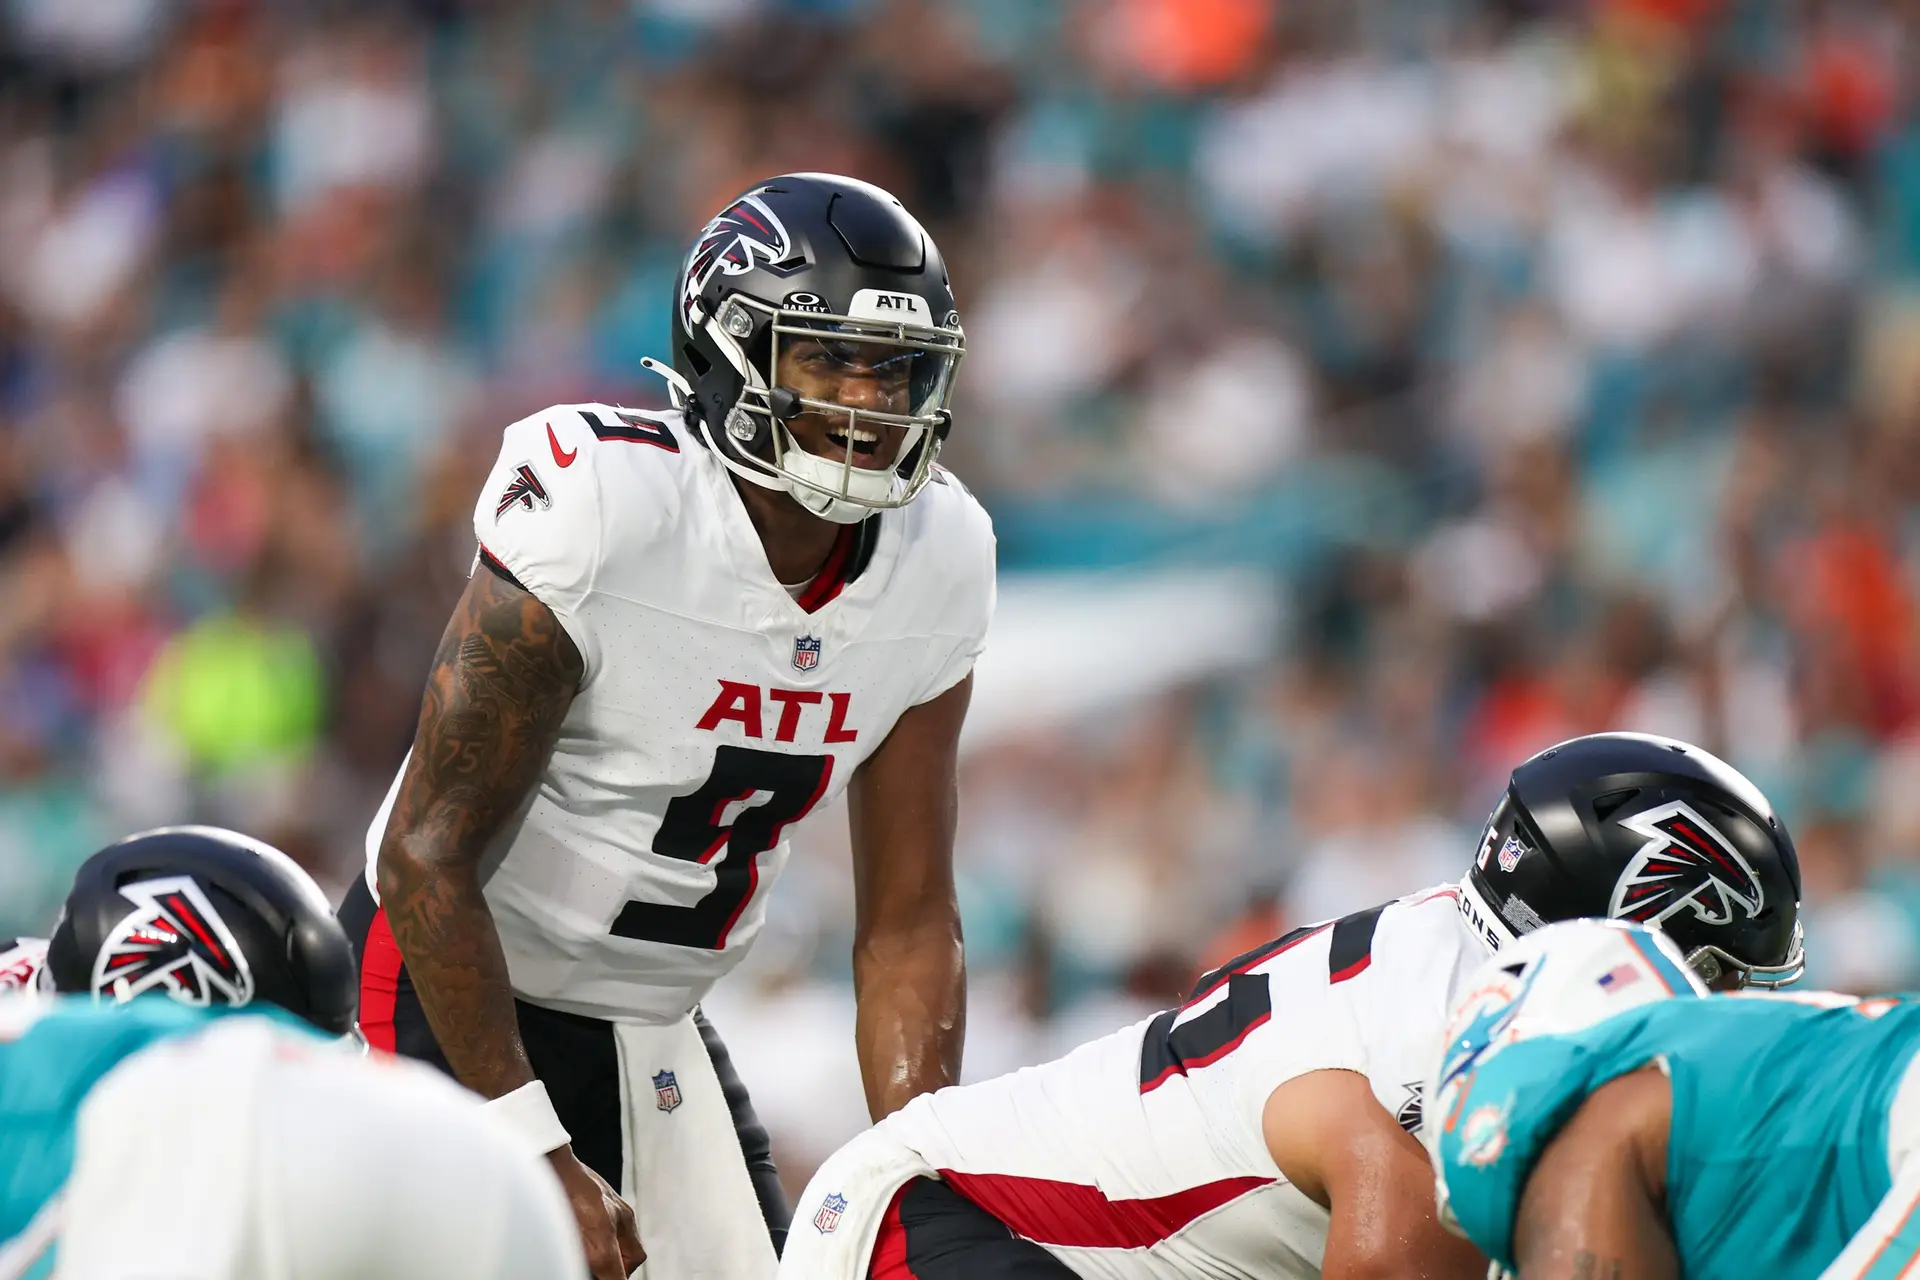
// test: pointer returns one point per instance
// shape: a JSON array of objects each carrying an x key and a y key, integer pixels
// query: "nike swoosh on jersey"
[{"x": 564, "y": 459}]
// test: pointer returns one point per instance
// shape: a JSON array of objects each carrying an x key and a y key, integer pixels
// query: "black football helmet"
[
  {"x": 814, "y": 257},
  {"x": 208, "y": 917},
  {"x": 1627, "y": 826}
]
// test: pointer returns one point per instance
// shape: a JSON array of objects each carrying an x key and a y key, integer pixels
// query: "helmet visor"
[{"x": 887, "y": 372}]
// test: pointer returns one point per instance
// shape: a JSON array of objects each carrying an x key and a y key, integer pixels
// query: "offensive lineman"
[
  {"x": 1600, "y": 1119},
  {"x": 1266, "y": 1128},
  {"x": 684, "y": 632},
  {"x": 197, "y": 1109}
]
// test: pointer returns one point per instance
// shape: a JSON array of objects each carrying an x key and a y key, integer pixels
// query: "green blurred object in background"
[{"x": 232, "y": 690}]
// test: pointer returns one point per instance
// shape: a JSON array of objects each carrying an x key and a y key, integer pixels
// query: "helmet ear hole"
[
  {"x": 700, "y": 364},
  {"x": 1612, "y": 802}
]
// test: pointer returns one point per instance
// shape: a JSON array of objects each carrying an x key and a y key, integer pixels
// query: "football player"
[
  {"x": 1595, "y": 1116},
  {"x": 684, "y": 632},
  {"x": 220, "y": 1126},
  {"x": 1267, "y": 1127},
  {"x": 23, "y": 961}
]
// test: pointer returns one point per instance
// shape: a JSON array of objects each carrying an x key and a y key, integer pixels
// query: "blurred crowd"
[{"x": 1558, "y": 363}]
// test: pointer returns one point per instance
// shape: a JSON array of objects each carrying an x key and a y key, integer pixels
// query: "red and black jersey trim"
[
  {"x": 832, "y": 578},
  {"x": 500, "y": 570},
  {"x": 851, "y": 553},
  {"x": 1350, "y": 950},
  {"x": 1167, "y": 1050},
  {"x": 633, "y": 429},
  {"x": 1210, "y": 981}
]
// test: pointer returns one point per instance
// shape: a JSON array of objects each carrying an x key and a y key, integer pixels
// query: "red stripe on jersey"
[
  {"x": 1353, "y": 970},
  {"x": 380, "y": 965},
  {"x": 1073, "y": 1215},
  {"x": 1185, "y": 1065},
  {"x": 890, "y": 1247},
  {"x": 833, "y": 574},
  {"x": 1253, "y": 960}
]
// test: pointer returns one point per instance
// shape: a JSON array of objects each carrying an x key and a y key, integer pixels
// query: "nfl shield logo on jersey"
[
  {"x": 829, "y": 1216},
  {"x": 666, "y": 1091},
  {"x": 806, "y": 653}
]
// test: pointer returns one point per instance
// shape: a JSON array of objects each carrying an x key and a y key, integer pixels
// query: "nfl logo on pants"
[
  {"x": 666, "y": 1091},
  {"x": 829, "y": 1216}
]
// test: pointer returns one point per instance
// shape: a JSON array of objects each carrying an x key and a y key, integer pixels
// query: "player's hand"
[{"x": 606, "y": 1221}]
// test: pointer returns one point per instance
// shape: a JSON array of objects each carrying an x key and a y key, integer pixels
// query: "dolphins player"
[{"x": 1596, "y": 1115}]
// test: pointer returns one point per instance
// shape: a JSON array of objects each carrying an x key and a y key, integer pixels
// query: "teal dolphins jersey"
[
  {"x": 52, "y": 1054},
  {"x": 1778, "y": 1150}
]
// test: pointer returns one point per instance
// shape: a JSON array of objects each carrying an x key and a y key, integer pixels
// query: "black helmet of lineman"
[
  {"x": 814, "y": 257},
  {"x": 1628, "y": 826},
  {"x": 209, "y": 917}
]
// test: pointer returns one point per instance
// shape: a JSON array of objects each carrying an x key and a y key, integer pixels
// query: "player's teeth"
[{"x": 872, "y": 437}]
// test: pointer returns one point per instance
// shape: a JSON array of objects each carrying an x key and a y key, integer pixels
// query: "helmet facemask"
[
  {"x": 913, "y": 366},
  {"x": 1724, "y": 971}
]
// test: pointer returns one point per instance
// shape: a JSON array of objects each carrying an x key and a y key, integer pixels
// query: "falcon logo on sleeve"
[
  {"x": 1686, "y": 865},
  {"x": 523, "y": 490},
  {"x": 176, "y": 942}
]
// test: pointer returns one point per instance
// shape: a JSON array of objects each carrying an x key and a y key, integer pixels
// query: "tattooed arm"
[
  {"x": 1594, "y": 1207},
  {"x": 501, "y": 683}
]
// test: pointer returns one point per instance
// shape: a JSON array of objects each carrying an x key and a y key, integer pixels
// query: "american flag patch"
[{"x": 1619, "y": 977}]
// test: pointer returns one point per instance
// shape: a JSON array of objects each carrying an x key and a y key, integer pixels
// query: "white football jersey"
[
  {"x": 23, "y": 966},
  {"x": 1141, "y": 1155},
  {"x": 717, "y": 709}
]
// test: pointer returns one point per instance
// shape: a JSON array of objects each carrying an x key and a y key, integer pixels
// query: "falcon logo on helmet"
[
  {"x": 173, "y": 941},
  {"x": 1686, "y": 864},
  {"x": 743, "y": 231}
]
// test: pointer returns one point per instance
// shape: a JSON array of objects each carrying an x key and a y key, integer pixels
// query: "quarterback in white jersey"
[
  {"x": 1268, "y": 1126},
  {"x": 685, "y": 631}
]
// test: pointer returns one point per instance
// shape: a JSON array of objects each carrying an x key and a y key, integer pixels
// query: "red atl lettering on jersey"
[
  {"x": 736, "y": 702},
  {"x": 791, "y": 700},
  {"x": 837, "y": 730},
  {"x": 742, "y": 703}
]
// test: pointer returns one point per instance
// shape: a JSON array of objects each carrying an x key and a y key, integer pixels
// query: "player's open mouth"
[{"x": 864, "y": 442}]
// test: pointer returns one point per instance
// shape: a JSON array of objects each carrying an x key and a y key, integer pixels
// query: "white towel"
[
  {"x": 685, "y": 1176},
  {"x": 839, "y": 1215}
]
